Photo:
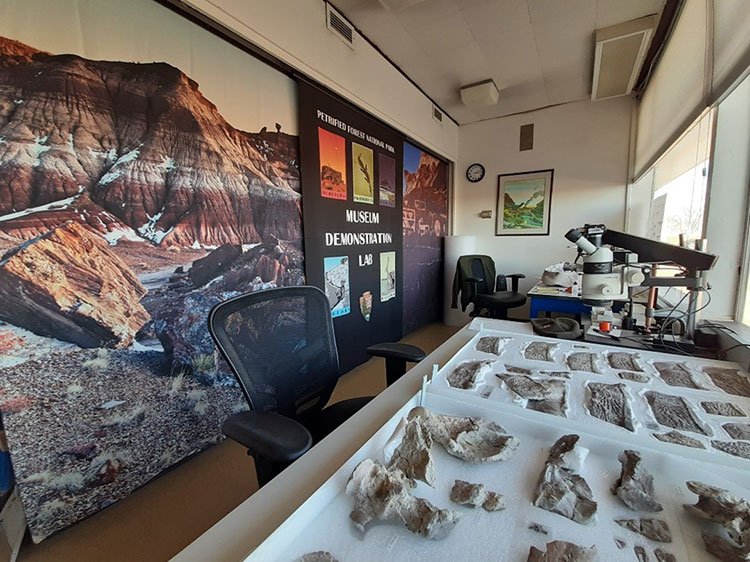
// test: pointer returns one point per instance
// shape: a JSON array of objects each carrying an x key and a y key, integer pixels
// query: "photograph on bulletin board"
[
  {"x": 365, "y": 305},
  {"x": 387, "y": 180},
  {"x": 332, "y": 165},
  {"x": 336, "y": 272},
  {"x": 362, "y": 173},
  {"x": 387, "y": 276}
]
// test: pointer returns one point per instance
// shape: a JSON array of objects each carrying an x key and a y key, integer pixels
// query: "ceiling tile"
[
  {"x": 544, "y": 10},
  {"x": 424, "y": 14},
  {"x": 493, "y": 17},
  {"x": 612, "y": 12}
]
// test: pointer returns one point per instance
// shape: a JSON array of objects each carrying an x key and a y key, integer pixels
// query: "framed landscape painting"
[{"x": 523, "y": 203}]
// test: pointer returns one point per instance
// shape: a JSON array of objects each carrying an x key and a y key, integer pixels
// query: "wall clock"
[{"x": 475, "y": 172}]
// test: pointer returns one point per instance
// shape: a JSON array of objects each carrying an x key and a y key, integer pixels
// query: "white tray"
[{"x": 322, "y": 522}]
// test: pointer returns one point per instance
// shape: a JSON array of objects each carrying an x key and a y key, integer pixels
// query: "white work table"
[{"x": 236, "y": 535}]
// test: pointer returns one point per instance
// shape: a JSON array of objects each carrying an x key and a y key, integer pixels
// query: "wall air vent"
[
  {"x": 337, "y": 24},
  {"x": 437, "y": 115}
]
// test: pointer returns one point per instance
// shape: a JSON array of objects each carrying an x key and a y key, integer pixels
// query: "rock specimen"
[
  {"x": 518, "y": 370},
  {"x": 673, "y": 411},
  {"x": 319, "y": 556},
  {"x": 474, "y": 440},
  {"x": 722, "y": 409},
  {"x": 729, "y": 380},
  {"x": 582, "y": 361},
  {"x": 556, "y": 374},
  {"x": 561, "y": 551},
  {"x": 675, "y": 374},
  {"x": 383, "y": 494},
  {"x": 733, "y": 514},
  {"x": 538, "y": 528},
  {"x": 623, "y": 361},
  {"x": 620, "y": 543},
  {"x": 679, "y": 439},
  {"x": 68, "y": 285},
  {"x": 610, "y": 403},
  {"x": 640, "y": 554},
  {"x": 491, "y": 344},
  {"x": 543, "y": 395},
  {"x": 466, "y": 374},
  {"x": 412, "y": 456},
  {"x": 561, "y": 489},
  {"x": 475, "y": 495},
  {"x": 735, "y": 448},
  {"x": 214, "y": 264},
  {"x": 540, "y": 351},
  {"x": 664, "y": 556},
  {"x": 738, "y": 430},
  {"x": 635, "y": 487},
  {"x": 654, "y": 529},
  {"x": 634, "y": 377}
]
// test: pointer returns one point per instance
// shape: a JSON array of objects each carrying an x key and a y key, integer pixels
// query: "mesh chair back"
[
  {"x": 484, "y": 287},
  {"x": 281, "y": 347}
]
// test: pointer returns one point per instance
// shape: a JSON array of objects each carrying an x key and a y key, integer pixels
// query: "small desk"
[{"x": 543, "y": 298}]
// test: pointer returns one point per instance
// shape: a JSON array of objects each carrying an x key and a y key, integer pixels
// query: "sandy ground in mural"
[{"x": 128, "y": 208}]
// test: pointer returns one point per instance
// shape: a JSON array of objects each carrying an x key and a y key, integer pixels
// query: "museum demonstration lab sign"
[{"x": 352, "y": 219}]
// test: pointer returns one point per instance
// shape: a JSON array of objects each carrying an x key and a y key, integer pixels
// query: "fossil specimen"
[
  {"x": 722, "y": 409},
  {"x": 675, "y": 374},
  {"x": 539, "y": 351},
  {"x": 679, "y": 439},
  {"x": 736, "y": 448},
  {"x": 471, "y": 439},
  {"x": 634, "y": 377},
  {"x": 640, "y": 554},
  {"x": 319, "y": 556},
  {"x": 664, "y": 556},
  {"x": 610, "y": 403},
  {"x": 729, "y": 380},
  {"x": 733, "y": 514},
  {"x": 465, "y": 374},
  {"x": 620, "y": 543},
  {"x": 538, "y": 528},
  {"x": 582, "y": 361},
  {"x": 491, "y": 344},
  {"x": 673, "y": 412},
  {"x": 623, "y": 361},
  {"x": 412, "y": 456},
  {"x": 474, "y": 495},
  {"x": 382, "y": 493},
  {"x": 654, "y": 529},
  {"x": 635, "y": 487},
  {"x": 738, "y": 430},
  {"x": 556, "y": 374},
  {"x": 518, "y": 370},
  {"x": 543, "y": 395},
  {"x": 561, "y": 489},
  {"x": 561, "y": 551}
]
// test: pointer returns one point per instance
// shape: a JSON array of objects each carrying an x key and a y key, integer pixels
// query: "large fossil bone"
[
  {"x": 561, "y": 551},
  {"x": 413, "y": 456},
  {"x": 635, "y": 487},
  {"x": 466, "y": 374}
]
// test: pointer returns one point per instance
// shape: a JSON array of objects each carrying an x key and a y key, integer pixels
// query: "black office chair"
[
  {"x": 476, "y": 280},
  {"x": 281, "y": 347}
]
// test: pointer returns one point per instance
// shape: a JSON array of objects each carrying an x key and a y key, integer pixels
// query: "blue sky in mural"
[{"x": 411, "y": 160}]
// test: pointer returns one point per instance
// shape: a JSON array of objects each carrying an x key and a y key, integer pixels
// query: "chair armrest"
[
  {"x": 501, "y": 283},
  {"x": 402, "y": 351},
  {"x": 269, "y": 435}
]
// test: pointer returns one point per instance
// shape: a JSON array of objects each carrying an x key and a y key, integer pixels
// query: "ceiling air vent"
[
  {"x": 437, "y": 115},
  {"x": 337, "y": 24}
]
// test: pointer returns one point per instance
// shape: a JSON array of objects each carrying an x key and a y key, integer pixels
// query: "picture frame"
[{"x": 524, "y": 202}]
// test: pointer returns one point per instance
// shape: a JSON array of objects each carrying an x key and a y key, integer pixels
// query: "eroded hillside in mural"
[{"x": 128, "y": 208}]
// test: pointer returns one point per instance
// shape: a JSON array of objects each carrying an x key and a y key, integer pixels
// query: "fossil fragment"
[
  {"x": 539, "y": 351},
  {"x": 729, "y": 380},
  {"x": 582, "y": 361},
  {"x": 635, "y": 487},
  {"x": 560, "y": 489},
  {"x": 623, "y": 361},
  {"x": 382, "y": 493},
  {"x": 673, "y": 412},
  {"x": 544, "y": 395},
  {"x": 736, "y": 448},
  {"x": 733, "y": 514},
  {"x": 319, "y": 556},
  {"x": 738, "y": 430},
  {"x": 679, "y": 439},
  {"x": 722, "y": 409},
  {"x": 654, "y": 529},
  {"x": 474, "y": 495},
  {"x": 664, "y": 556},
  {"x": 491, "y": 344},
  {"x": 465, "y": 374},
  {"x": 675, "y": 374},
  {"x": 634, "y": 377},
  {"x": 561, "y": 551},
  {"x": 556, "y": 374},
  {"x": 610, "y": 403},
  {"x": 538, "y": 528},
  {"x": 474, "y": 440},
  {"x": 640, "y": 554},
  {"x": 518, "y": 370},
  {"x": 620, "y": 543},
  {"x": 412, "y": 456}
]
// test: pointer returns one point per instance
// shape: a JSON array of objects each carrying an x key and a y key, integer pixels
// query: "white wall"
[
  {"x": 294, "y": 31},
  {"x": 587, "y": 145}
]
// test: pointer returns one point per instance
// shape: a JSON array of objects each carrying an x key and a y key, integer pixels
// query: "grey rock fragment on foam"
[
  {"x": 635, "y": 487},
  {"x": 738, "y": 430},
  {"x": 673, "y": 411},
  {"x": 382, "y": 493},
  {"x": 640, "y": 554},
  {"x": 475, "y": 495},
  {"x": 319, "y": 556},
  {"x": 543, "y": 395},
  {"x": 730, "y": 381},
  {"x": 413, "y": 456},
  {"x": 679, "y": 439},
  {"x": 633, "y": 376},
  {"x": 664, "y": 556},
  {"x": 561, "y": 551},
  {"x": 675, "y": 374},
  {"x": 539, "y": 351},
  {"x": 474, "y": 440},
  {"x": 654, "y": 529},
  {"x": 491, "y": 344},
  {"x": 465, "y": 374},
  {"x": 560, "y": 489},
  {"x": 610, "y": 403},
  {"x": 582, "y": 361},
  {"x": 726, "y": 409},
  {"x": 736, "y": 448},
  {"x": 623, "y": 361}
]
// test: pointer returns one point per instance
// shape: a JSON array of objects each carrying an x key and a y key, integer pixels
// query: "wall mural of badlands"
[{"x": 128, "y": 208}]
